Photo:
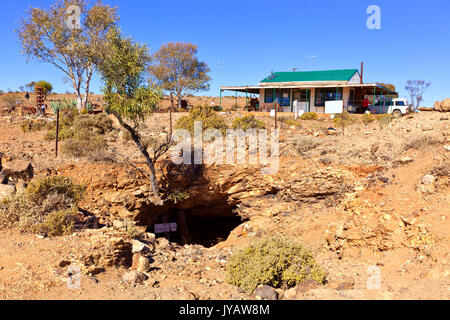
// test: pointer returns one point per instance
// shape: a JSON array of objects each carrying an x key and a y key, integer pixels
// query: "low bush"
[
  {"x": 99, "y": 123},
  {"x": 277, "y": 262},
  {"x": 422, "y": 142},
  {"x": 66, "y": 121},
  {"x": 304, "y": 144},
  {"x": 47, "y": 206},
  {"x": 346, "y": 118},
  {"x": 309, "y": 116},
  {"x": 248, "y": 122},
  {"x": 63, "y": 134},
  {"x": 57, "y": 223},
  {"x": 85, "y": 143},
  {"x": 291, "y": 122},
  {"x": 10, "y": 99},
  {"x": 368, "y": 118},
  {"x": 34, "y": 125},
  {"x": 210, "y": 120},
  {"x": 384, "y": 119}
]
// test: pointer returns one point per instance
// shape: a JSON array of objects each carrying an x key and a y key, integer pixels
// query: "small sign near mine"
[{"x": 166, "y": 227}]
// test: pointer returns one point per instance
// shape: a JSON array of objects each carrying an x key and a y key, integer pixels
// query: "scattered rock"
[
  {"x": 139, "y": 247},
  {"x": 443, "y": 106},
  {"x": 16, "y": 170},
  {"x": 140, "y": 263},
  {"x": 163, "y": 243},
  {"x": 6, "y": 191},
  {"x": 307, "y": 285},
  {"x": 118, "y": 224},
  {"x": 266, "y": 292},
  {"x": 383, "y": 179},
  {"x": 94, "y": 280},
  {"x": 64, "y": 263},
  {"x": 94, "y": 270},
  {"x": 135, "y": 277},
  {"x": 406, "y": 159},
  {"x": 116, "y": 197},
  {"x": 290, "y": 294},
  {"x": 345, "y": 285},
  {"x": 428, "y": 179}
]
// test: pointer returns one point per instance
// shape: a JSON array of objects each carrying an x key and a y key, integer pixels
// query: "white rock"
[
  {"x": 134, "y": 277},
  {"x": 428, "y": 179},
  {"x": 139, "y": 247}
]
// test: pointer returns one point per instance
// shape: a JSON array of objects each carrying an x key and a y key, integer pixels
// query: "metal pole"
[
  {"x": 307, "y": 101},
  {"x": 57, "y": 133},
  {"x": 276, "y": 124},
  {"x": 381, "y": 100},
  {"x": 374, "y": 93},
  {"x": 246, "y": 102},
  {"x": 274, "y": 105}
]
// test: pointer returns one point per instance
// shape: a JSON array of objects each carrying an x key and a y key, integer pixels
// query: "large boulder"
[
  {"x": 443, "y": 106},
  {"x": 16, "y": 170},
  {"x": 6, "y": 191}
]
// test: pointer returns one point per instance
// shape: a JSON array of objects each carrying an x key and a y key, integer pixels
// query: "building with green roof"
[{"x": 314, "y": 91}]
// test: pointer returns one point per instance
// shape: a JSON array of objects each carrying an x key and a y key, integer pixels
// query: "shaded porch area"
[{"x": 312, "y": 97}]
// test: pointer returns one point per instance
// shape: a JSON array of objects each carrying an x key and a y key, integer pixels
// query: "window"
[
  {"x": 282, "y": 97},
  {"x": 268, "y": 96},
  {"x": 323, "y": 95},
  {"x": 400, "y": 103},
  {"x": 285, "y": 98}
]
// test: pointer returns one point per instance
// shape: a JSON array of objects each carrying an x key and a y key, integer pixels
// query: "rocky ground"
[{"x": 375, "y": 196}]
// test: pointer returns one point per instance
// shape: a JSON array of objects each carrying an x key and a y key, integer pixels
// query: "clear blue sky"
[{"x": 252, "y": 38}]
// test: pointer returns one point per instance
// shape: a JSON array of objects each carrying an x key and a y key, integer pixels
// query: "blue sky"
[{"x": 252, "y": 38}]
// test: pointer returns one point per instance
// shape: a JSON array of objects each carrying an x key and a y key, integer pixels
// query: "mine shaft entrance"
[{"x": 203, "y": 226}]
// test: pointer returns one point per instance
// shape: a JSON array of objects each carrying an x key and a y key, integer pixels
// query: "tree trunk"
[
  {"x": 86, "y": 97},
  {"x": 79, "y": 100},
  {"x": 148, "y": 159},
  {"x": 179, "y": 99}
]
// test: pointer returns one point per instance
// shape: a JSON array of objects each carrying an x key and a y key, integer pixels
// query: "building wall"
[
  {"x": 312, "y": 97},
  {"x": 346, "y": 96}
]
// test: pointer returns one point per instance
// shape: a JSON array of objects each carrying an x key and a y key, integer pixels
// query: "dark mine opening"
[{"x": 206, "y": 226}]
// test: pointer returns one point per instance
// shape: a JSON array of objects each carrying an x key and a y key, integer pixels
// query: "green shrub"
[
  {"x": 85, "y": 144},
  {"x": 277, "y": 262},
  {"x": 34, "y": 125},
  {"x": 309, "y": 116},
  {"x": 47, "y": 206},
  {"x": 304, "y": 144},
  {"x": 347, "y": 117},
  {"x": 368, "y": 118},
  {"x": 384, "y": 119},
  {"x": 57, "y": 223},
  {"x": 99, "y": 123},
  {"x": 248, "y": 122},
  {"x": 66, "y": 121},
  {"x": 64, "y": 133},
  {"x": 41, "y": 187},
  {"x": 291, "y": 122},
  {"x": 210, "y": 120}
]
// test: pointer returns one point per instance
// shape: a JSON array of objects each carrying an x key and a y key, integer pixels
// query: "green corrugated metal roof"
[{"x": 326, "y": 75}]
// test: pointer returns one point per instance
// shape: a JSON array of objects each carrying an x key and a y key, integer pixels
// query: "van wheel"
[{"x": 397, "y": 113}]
